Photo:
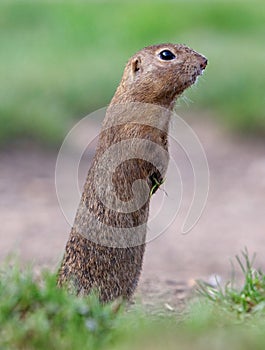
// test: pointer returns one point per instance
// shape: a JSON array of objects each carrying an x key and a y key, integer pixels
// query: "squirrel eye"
[{"x": 166, "y": 55}]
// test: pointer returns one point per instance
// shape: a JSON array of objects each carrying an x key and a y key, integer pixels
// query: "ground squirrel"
[{"x": 106, "y": 244}]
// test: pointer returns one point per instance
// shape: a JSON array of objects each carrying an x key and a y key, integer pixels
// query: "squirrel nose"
[{"x": 203, "y": 63}]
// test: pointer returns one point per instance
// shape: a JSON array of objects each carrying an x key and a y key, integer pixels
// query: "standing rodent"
[{"x": 106, "y": 244}]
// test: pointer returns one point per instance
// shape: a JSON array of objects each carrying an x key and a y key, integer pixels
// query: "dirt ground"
[{"x": 33, "y": 227}]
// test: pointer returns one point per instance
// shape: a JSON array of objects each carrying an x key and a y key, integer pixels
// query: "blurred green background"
[{"x": 61, "y": 60}]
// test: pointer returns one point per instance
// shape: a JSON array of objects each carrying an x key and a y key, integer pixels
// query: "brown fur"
[{"x": 114, "y": 271}]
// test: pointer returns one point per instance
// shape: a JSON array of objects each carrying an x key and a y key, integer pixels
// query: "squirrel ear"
[{"x": 136, "y": 65}]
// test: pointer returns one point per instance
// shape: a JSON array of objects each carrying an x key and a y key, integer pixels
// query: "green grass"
[
  {"x": 249, "y": 299},
  {"x": 61, "y": 60},
  {"x": 35, "y": 314},
  {"x": 38, "y": 315}
]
